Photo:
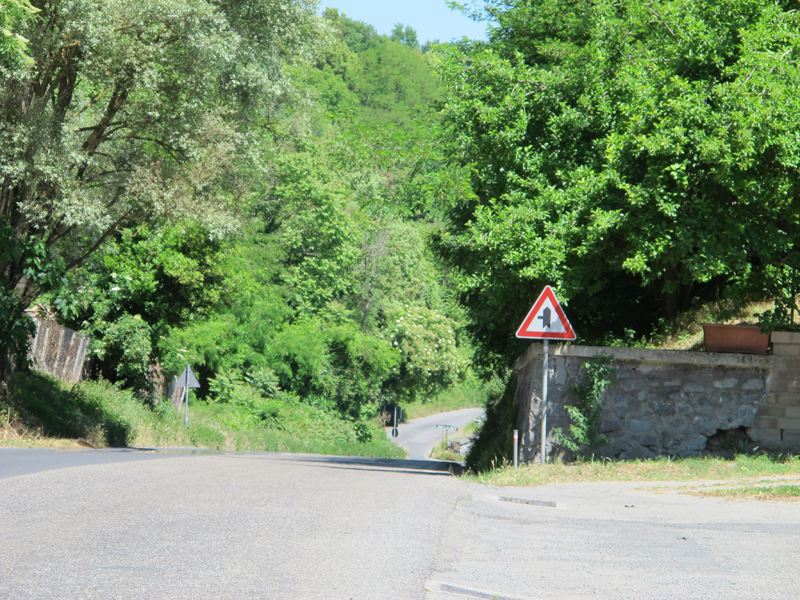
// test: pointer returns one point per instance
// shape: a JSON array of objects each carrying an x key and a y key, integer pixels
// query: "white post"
[
  {"x": 545, "y": 372},
  {"x": 516, "y": 447},
  {"x": 186, "y": 392}
]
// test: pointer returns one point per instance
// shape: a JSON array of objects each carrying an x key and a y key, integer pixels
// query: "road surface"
[
  {"x": 223, "y": 526},
  {"x": 300, "y": 527},
  {"x": 22, "y": 461},
  {"x": 420, "y": 436}
]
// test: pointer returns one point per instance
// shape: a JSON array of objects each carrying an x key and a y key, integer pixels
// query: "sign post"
[
  {"x": 516, "y": 447},
  {"x": 447, "y": 429},
  {"x": 187, "y": 380},
  {"x": 546, "y": 321}
]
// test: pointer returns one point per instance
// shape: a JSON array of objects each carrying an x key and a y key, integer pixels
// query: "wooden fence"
[{"x": 58, "y": 351}]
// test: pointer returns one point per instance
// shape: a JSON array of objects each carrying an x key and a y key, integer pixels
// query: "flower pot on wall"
[{"x": 742, "y": 339}]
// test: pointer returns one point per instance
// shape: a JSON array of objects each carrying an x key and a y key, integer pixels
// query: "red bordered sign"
[{"x": 546, "y": 320}]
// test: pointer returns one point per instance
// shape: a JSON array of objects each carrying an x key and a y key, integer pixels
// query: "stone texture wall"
[{"x": 669, "y": 402}]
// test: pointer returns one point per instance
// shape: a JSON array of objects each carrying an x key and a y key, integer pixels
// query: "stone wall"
[{"x": 670, "y": 402}]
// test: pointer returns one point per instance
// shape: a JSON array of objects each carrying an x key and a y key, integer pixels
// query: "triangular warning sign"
[
  {"x": 187, "y": 379},
  {"x": 546, "y": 320}
]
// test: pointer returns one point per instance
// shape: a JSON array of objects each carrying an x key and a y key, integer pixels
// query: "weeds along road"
[{"x": 275, "y": 526}]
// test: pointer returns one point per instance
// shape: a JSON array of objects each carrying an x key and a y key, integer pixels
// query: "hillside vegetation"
[{"x": 327, "y": 222}]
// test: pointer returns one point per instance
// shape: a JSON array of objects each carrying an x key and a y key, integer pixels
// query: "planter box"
[{"x": 741, "y": 339}]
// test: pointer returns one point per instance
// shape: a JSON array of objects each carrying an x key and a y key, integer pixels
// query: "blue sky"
[{"x": 431, "y": 18}]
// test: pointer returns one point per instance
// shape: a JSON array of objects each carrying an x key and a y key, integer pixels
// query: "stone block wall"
[
  {"x": 778, "y": 421},
  {"x": 669, "y": 402}
]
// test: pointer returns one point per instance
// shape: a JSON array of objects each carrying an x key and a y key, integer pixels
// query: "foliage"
[
  {"x": 45, "y": 403},
  {"x": 14, "y": 18},
  {"x": 140, "y": 284},
  {"x": 30, "y": 256},
  {"x": 783, "y": 285},
  {"x": 138, "y": 113},
  {"x": 470, "y": 393},
  {"x": 405, "y": 35},
  {"x": 335, "y": 255},
  {"x": 383, "y": 80},
  {"x": 103, "y": 415},
  {"x": 15, "y": 331},
  {"x": 634, "y": 156},
  {"x": 584, "y": 433},
  {"x": 493, "y": 443},
  {"x": 429, "y": 361},
  {"x": 252, "y": 208},
  {"x": 128, "y": 340}
]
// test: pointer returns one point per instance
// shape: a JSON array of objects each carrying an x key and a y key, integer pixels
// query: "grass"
[
  {"x": 41, "y": 412},
  {"x": 467, "y": 394},
  {"x": 753, "y": 492},
  {"x": 688, "y": 327},
  {"x": 443, "y": 452},
  {"x": 658, "y": 469}
]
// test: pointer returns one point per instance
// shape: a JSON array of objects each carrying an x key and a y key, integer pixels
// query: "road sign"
[
  {"x": 546, "y": 320},
  {"x": 394, "y": 432},
  {"x": 187, "y": 379},
  {"x": 449, "y": 427}
]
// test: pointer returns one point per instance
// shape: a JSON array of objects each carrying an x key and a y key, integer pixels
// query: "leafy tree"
[
  {"x": 136, "y": 113},
  {"x": 14, "y": 17},
  {"x": 405, "y": 35},
  {"x": 138, "y": 287},
  {"x": 634, "y": 156}
]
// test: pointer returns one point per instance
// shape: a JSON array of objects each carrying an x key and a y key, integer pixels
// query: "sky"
[{"x": 432, "y": 19}]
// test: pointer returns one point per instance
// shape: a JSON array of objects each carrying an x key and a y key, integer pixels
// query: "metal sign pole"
[
  {"x": 545, "y": 372},
  {"x": 186, "y": 417}
]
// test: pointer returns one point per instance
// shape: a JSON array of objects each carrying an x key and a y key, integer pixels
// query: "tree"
[
  {"x": 14, "y": 17},
  {"x": 136, "y": 113},
  {"x": 405, "y": 35},
  {"x": 137, "y": 288},
  {"x": 634, "y": 156}
]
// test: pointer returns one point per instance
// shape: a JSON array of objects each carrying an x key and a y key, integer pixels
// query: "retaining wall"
[{"x": 670, "y": 402}]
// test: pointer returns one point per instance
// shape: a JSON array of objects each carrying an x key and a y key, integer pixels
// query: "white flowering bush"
[{"x": 429, "y": 359}]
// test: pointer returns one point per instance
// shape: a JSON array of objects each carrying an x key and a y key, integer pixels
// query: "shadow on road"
[{"x": 422, "y": 467}]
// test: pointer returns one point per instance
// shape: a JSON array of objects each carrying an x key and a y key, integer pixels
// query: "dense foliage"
[
  {"x": 131, "y": 113},
  {"x": 635, "y": 156},
  {"x": 286, "y": 254},
  {"x": 322, "y": 220}
]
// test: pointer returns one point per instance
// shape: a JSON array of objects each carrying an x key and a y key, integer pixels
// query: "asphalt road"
[
  {"x": 617, "y": 541},
  {"x": 420, "y": 436},
  {"x": 22, "y": 461},
  {"x": 274, "y": 526},
  {"x": 224, "y": 526}
]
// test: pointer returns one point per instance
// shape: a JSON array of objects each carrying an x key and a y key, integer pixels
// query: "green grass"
[
  {"x": 659, "y": 469},
  {"x": 41, "y": 411},
  {"x": 754, "y": 492},
  {"x": 467, "y": 394},
  {"x": 442, "y": 452}
]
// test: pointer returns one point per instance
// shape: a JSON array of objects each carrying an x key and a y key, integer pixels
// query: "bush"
[
  {"x": 494, "y": 442},
  {"x": 44, "y": 403},
  {"x": 584, "y": 430}
]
